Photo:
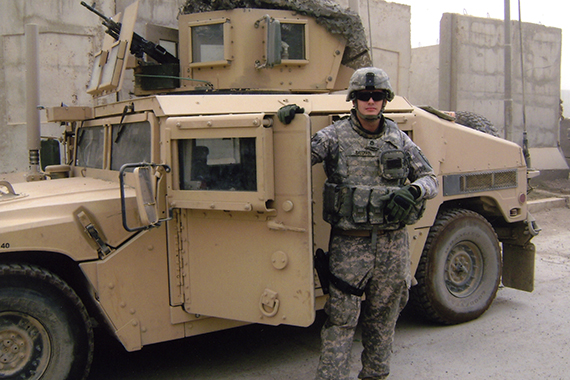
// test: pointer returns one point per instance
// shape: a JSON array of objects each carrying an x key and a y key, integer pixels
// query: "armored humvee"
[{"x": 191, "y": 208}]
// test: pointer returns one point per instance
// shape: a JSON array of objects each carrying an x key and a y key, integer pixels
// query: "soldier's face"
[{"x": 367, "y": 105}]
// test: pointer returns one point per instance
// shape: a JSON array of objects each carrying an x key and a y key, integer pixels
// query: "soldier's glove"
[
  {"x": 401, "y": 203},
  {"x": 286, "y": 114}
]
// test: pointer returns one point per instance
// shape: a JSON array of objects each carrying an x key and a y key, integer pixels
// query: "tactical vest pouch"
[
  {"x": 330, "y": 201},
  {"x": 344, "y": 196},
  {"x": 394, "y": 164},
  {"x": 360, "y": 200},
  {"x": 337, "y": 202},
  {"x": 378, "y": 198}
]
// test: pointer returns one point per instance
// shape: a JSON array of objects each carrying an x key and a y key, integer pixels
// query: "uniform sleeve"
[
  {"x": 421, "y": 173},
  {"x": 321, "y": 144}
]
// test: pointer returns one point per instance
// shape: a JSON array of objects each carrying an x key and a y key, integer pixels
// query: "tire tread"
[
  {"x": 419, "y": 298},
  {"x": 41, "y": 274}
]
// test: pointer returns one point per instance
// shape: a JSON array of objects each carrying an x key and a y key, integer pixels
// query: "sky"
[{"x": 426, "y": 15}]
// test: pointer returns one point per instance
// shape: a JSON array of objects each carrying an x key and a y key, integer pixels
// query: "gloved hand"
[
  {"x": 286, "y": 114},
  {"x": 401, "y": 203}
]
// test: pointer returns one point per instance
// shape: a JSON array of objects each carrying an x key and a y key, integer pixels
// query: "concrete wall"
[
  {"x": 424, "y": 76},
  {"x": 68, "y": 36},
  {"x": 471, "y": 67}
]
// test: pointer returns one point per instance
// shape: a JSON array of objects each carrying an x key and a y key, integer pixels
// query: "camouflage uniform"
[{"x": 377, "y": 262}]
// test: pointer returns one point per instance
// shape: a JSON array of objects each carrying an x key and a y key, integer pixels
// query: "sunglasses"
[{"x": 366, "y": 95}]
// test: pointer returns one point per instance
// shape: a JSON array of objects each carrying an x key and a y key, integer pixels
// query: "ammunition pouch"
[{"x": 362, "y": 207}]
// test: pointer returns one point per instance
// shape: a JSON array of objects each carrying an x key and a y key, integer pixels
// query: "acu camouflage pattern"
[
  {"x": 383, "y": 270},
  {"x": 384, "y": 273},
  {"x": 358, "y": 180}
]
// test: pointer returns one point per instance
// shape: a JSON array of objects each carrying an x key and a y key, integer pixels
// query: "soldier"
[{"x": 377, "y": 183}]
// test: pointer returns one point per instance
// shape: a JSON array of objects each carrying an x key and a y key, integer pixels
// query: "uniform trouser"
[{"x": 384, "y": 273}]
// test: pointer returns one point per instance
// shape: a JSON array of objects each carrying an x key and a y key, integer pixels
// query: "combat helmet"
[{"x": 369, "y": 78}]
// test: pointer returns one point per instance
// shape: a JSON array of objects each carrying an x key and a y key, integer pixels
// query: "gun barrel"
[
  {"x": 95, "y": 11},
  {"x": 139, "y": 45}
]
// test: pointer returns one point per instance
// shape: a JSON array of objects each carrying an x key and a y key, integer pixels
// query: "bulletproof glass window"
[
  {"x": 293, "y": 41},
  {"x": 207, "y": 43},
  {"x": 90, "y": 144},
  {"x": 218, "y": 164},
  {"x": 131, "y": 143}
]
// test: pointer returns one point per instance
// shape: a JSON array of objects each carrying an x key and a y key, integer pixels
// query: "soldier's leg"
[
  {"x": 350, "y": 260},
  {"x": 337, "y": 335},
  {"x": 386, "y": 295}
]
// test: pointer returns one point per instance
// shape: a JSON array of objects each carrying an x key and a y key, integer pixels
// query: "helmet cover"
[{"x": 369, "y": 78}]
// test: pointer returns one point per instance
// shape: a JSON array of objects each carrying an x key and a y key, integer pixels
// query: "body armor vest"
[{"x": 367, "y": 169}]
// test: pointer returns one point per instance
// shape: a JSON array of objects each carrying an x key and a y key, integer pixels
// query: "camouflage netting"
[{"x": 327, "y": 13}]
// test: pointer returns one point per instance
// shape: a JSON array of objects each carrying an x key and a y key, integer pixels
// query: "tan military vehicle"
[{"x": 191, "y": 208}]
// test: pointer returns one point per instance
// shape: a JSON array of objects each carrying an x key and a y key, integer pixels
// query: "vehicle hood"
[{"x": 45, "y": 215}]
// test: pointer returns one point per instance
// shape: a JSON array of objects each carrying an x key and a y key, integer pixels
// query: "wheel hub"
[
  {"x": 24, "y": 346},
  {"x": 463, "y": 269}
]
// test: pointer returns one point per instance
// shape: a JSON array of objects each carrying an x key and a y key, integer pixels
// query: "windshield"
[{"x": 130, "y": 143}]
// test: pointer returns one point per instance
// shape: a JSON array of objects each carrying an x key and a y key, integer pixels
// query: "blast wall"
[{"x": 472, "y": 75}]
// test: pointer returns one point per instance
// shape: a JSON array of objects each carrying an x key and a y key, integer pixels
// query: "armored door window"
[
  {"x": 90, "y": 144},
  {"x": 226, "y": 164},
  {"x": 131, "y": 143},
  {"x": 293, "y": 41},
  {"x": 207, "y": 43}
]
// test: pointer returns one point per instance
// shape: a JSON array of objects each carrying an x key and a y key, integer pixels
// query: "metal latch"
[
  {"x": 104, "y": 249},
  {"x": 269, "y": 301}
]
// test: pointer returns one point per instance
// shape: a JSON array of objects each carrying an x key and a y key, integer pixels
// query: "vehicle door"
[{"x": 241, "y": 193}]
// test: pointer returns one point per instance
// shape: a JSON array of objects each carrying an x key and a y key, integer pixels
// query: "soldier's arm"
[
  {"x": 421, "y": 173},
  {"x": 321, "y": 144}
]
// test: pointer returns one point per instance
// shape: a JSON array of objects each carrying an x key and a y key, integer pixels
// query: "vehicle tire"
[
  {"x": 45, "y": 331},
  {"x": 460, "y": 268},
  {"x": 477, "y": 122}
]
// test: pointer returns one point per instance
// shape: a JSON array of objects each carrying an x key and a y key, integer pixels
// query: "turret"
[{"x": 237, "y": 50}]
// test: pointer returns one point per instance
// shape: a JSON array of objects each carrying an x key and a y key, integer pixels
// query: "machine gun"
[{"x": 139, "y": 45}]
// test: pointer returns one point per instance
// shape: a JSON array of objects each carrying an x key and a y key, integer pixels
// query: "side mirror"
[
  {"x": 145, "y": 190},
  {"x": 146, "y": 179}
]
